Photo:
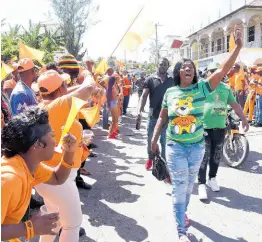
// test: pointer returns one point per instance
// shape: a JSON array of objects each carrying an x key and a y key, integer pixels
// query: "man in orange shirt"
[
  {"x": 127, "y": 92},
  {"x": 27, "y": 140},
  {"x": 239, "y": 85}
]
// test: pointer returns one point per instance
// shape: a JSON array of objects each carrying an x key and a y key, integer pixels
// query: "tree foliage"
[
  {"x": 73, "y": 17},
  {"x": 36, "y": 36}
]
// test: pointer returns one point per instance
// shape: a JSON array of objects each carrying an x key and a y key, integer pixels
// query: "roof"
[{"x": 254, "y": 4}]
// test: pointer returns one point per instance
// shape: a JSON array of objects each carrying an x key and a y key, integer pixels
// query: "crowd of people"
[{"x": 187, "y": 112}]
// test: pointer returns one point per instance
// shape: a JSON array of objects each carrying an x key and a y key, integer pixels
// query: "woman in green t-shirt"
[{"x": 182, "y": 109}]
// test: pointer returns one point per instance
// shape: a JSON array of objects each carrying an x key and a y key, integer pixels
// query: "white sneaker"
[
  {"x": 202, "y": 192},
  {"x": 184, "y": 238},
  {"x": 213, "y": 185}
]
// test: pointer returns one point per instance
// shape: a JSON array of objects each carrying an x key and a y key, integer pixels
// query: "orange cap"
[
  {"x": 49, "y": 81},
  {"x": 25, "y": 64}
]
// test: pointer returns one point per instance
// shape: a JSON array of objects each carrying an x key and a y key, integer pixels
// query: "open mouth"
[{"x": 188, "y": 75}]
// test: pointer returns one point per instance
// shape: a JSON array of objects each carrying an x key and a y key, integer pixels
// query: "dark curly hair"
[
  {"x": 177, "y": 68},
  {"x": 23, "y": 130}
]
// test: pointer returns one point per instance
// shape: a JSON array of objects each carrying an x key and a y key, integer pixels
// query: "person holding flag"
[{"x": 59, "y": 103}]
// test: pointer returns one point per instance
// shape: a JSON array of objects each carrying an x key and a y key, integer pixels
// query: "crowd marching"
[{"x": 187, "y": 111}]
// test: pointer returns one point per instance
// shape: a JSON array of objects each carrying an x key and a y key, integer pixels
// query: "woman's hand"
[
  {"x": 238, "y": 36},
  {"x": 69, "y": 143},
  {"x": 245, "y": 125},
  {"x": 154, "y": 147},
  {"x": 44, "y": 224}
]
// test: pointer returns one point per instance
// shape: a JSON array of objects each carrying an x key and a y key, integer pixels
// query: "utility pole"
[
  {"x": 230, "y": 6},
  {"x": 157, "y": 51}
]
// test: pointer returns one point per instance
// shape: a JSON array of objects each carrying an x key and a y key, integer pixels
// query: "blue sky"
[{"x": 176, "y": 18}]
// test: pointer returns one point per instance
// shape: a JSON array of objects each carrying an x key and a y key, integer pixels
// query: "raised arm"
[
  {"x": 84, "y": 91},
  {"x": 62, "y": 171},
  {"x": 215, "y": 78}
]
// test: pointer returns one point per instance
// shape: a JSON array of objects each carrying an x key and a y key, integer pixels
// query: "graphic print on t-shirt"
[
  {"x": 184, "y": 121},
  {"x": 220, "y": 106}
]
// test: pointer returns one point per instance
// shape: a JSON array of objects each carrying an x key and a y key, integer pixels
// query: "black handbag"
[{"x": 159, "y": 170}]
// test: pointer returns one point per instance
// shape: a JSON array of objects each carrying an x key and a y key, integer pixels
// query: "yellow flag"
[
  {"x": 131, "y": 41},
  {"x": 76, "y": 105},
  {"x": 5, "y": 70},
  {"x": 139, "y": 32},
  {"x": 232, "y": 43},
  {"x": 28, "y": 52},
  {"x": 91, "y": 115},
  {"x": 101, "y": 67}
]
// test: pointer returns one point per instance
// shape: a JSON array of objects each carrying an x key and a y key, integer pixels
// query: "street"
[{"x": 128, "y": 204}]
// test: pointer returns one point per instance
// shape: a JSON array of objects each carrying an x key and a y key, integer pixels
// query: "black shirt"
[{"x": 157, "y": 90}]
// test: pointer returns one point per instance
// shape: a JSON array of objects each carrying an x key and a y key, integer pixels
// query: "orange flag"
[{"x": 91, "y": 115}]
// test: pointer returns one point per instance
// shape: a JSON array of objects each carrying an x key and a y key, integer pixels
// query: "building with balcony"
[{"x": 211, "y": 43}]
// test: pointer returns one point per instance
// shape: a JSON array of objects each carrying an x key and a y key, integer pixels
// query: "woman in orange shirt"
[
  {"x": 27, "y": 140},
  {"x": 58, "y": 103}
]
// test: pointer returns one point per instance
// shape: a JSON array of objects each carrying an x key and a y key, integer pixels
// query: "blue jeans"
[
  {"x": 259, "y": 109},
  {"x": 125, "y": 104},
  {"x": 183, "y": 163},
  {"x": 150, "y": 130}
]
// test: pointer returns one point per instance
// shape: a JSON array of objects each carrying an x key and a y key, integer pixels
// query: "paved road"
[{"x": 128, "y": 204}]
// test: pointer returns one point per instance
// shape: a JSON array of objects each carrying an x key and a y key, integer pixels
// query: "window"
[
  {"x": 228, "y": 37},
  {"x": 212, "y": 46},
  {"x": 251, "y": 34},
  {"x": 219, "y": 45}
]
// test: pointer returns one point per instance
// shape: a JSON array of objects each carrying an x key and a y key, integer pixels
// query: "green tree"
[
  {"x": 9, "y": 42},
  {"x": 73, "y": 16}
]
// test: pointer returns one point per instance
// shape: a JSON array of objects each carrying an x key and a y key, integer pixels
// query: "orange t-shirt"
[
  {"x": 9, "y": 84},
  {"x": 239, "y": 79},
  {"x": 58, "y": 111},
  {"x": 126, "y": 91},
  {"x": 16, "y": 187}
]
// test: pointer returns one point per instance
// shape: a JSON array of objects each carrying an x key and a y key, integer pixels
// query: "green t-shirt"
[
  {"x": 185, "y": 112},
  {"x": 215, "y": 111}
]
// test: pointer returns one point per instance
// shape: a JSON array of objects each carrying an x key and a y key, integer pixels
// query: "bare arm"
[
  {"x": 84, "y": 91},
  {"x": 72, "y": 89},
  {"x": 239, "y": 112},
  {"x": 215, "y": 78},
  {"x": 61, "y": 172},
  {"x": 143, "y": 100},
  {"x": 161, "y": 122},
  {"x": 11, "y": 231}
]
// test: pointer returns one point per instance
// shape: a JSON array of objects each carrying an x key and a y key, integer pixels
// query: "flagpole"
[{"x": 127, "y": 30}]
